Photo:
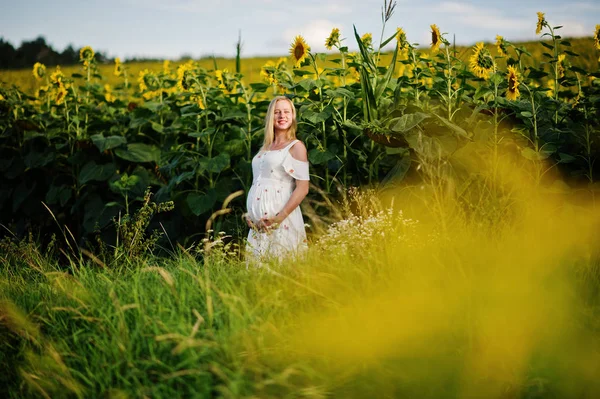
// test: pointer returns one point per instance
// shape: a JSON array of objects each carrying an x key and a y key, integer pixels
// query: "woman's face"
[{"x": 283, "y": 115}]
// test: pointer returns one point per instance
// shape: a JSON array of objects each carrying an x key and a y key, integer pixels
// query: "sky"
[{"x": 169, "y": 29}]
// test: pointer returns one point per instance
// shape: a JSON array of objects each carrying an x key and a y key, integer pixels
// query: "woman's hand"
[
  {"x": 249, "y": 222},
  {"x": 263, "y": 225},
  {"x": 271, "y": 223}
]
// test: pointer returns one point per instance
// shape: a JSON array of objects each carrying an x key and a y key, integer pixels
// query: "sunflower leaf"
[
  {"x": 536, "y": 74},
  {"x": 92, "y": 171},
  {"x": 201, "y": 203},
  {"x": 259, "y": 87},
  {"x": 307, "y": 84},
  {"x": 389, "y": 39},
  {"x": 318, "y": 157},
  {"x": 139, "y": 152},
  {"x": 366, "y": 55},
  {"x": 157, "y": 127},
  {"x": 454, "y": 127},
  {"x": 408, "y": 122},
  {"x": 496, "y": 78},
  {"x": 340, "y": 92},
  {"x": 300, "y": 73},
  {"x": 388, "y": 75},
  {"x": 215, "y": 164},
  {"x": 533, "y": 155},
  {"x": 566, "y": 158},
  {"x": 153, "y": 106}
]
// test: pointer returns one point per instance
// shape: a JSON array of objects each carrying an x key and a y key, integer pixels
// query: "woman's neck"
[{"x": 280, "y": 137}]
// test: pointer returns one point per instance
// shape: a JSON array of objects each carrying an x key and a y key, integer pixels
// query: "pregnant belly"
[{"x": 265, "y": 201}]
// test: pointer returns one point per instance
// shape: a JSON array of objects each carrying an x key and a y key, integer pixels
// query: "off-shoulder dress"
[{"x": 274, "y": 179}]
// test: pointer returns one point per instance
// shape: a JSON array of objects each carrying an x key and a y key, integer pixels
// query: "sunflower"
[
  {"x": 185, "y": 76},
  {"x": 426, "y": 82},
  {"x": 333, "y": 40},
  {"x": 560, "y": 65},
  {"x": 512, "y": 93},
  {"x": 299, "y": 51},
  {"x": 597, "y": 37},
  {"x": 401, "y": 41},
  {"x": 551, "y": 88},
  {"x": 481, "y": 62},
  {"x": 353, "y": 57},
  {"x": 57, "y": 77},
  {"x": 118, "y": 67},
  {"x": 167, "y": 66},
  {"x": 42, "y": 91},
  {"x": 501, "y": 45},
  {"x": 225, "y": 80},
  {"x": 198, "y": 101},
  {"x": 540, "y": 23},
  {"x": 148, "y": 81},
  {"x": 39, "y": 71},
  {"x": 281, "y": 62},
  {"x": 268, "y": 72},
  {"x": 436, "y": 38},
  {"x": 61, "y": 94},
  {"x": 86, "y": 53},
  {"x": 367, "y": 40},
  {"x": 220, "y": 78},
  {"x": 2, "y": 97},
  {"x": 108, "y": 94}
]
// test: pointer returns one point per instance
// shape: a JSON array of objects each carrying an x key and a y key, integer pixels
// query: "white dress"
[{"x": 274, "y": 179}]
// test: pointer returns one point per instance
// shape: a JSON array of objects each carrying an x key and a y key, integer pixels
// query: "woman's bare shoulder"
[{"x": 298, "y": 151}]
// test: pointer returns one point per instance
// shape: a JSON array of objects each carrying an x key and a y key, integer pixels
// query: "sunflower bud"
[
  {"x": 39, "y": 71},
  {"x": 86, "y": 54}
]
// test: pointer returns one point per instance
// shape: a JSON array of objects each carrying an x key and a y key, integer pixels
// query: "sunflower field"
[
  {"x": 140, "y": 172},
  {"x": 83, "y": 152}
]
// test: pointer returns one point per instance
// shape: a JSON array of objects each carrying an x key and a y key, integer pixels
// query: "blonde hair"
[{"x": 269, "y": 124}]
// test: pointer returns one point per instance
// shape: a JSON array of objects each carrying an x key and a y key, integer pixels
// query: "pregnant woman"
[{"x": 279, "y": 184}]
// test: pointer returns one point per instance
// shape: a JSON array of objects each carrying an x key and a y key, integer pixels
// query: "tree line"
[{"x": 38, "y": 50}]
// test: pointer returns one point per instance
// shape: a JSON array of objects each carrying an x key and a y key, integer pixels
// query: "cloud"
[
  {"x": 487, "y": 18},
  {"x": 578, "y": 7},
  {"x": 323, "y": 7},
  {"x": 315, "y": 33},
  {"x": 574, "y": 29},
  {"x": 188, "y": 6},
  {"x": 303, "y": 9}
]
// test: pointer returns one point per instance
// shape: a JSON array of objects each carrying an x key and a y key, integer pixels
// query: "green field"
[
  {"x": 251, "y": 67},
  {"x": 452, "y": 219}
]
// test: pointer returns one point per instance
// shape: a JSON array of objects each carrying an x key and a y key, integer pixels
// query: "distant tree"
[
  {"x": 102, "y": 58},
  {"x": 69, "y": 55},
  {"x": 7, "y": 54},
  {"x": 36, "y": 51},
  {"x": 186, "y": 57}
]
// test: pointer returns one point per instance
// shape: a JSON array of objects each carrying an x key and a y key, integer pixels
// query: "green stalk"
[
  {"x": 535, "y": 138},
  {"x": 197, "y": 147},
  {"x": 555, "y": 46},
  {"x": 323, "y": 127},
  {"x": 416, "y": 75},
  {"x": 449, "y": 83},
  {"x": 344, "y": 117},
  {"x": 495, "y": 160}
]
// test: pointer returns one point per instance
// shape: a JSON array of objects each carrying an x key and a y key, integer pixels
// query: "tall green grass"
[{"x": 402, "y": 297}]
